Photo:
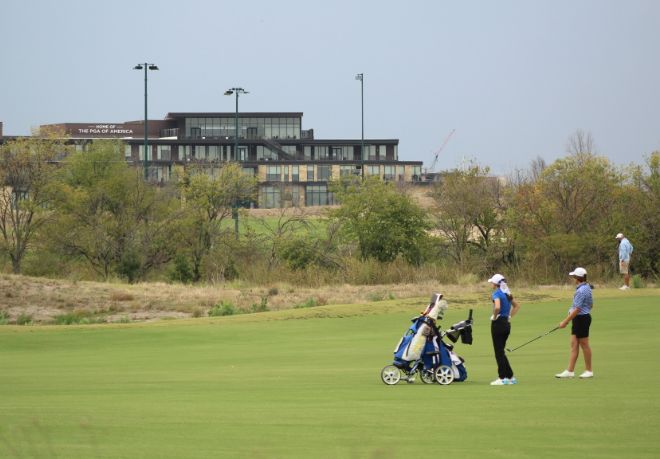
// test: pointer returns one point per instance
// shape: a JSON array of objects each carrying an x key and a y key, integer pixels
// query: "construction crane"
[{"x": 437, "y": 153}]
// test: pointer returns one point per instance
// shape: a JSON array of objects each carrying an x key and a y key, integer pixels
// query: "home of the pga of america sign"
[{"x": 105, "y": 129}]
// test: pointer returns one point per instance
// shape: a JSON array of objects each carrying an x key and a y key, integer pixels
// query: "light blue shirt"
[
  {"x": 625, "y": 249},
  {"x": 582, "y": 300}
]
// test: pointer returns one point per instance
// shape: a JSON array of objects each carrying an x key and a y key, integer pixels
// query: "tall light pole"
[
  {"x": 360, "y": 77},
  {"x": 146, "y": 66},
  {"x": 229, "y": 92}
]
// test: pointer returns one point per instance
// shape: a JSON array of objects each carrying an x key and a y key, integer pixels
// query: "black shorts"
[{"x": 580, "y": 326}]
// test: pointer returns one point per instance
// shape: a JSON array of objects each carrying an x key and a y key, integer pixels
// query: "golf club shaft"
[{"x": 531, "y": 340}]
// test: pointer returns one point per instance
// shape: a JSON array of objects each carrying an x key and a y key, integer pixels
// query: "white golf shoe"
[
  {"x": 624, "y": 287},
  {"x": 500, "y": 382},
  {"x": 587, "y": 374},
  {"x": 565, "y": 374}
]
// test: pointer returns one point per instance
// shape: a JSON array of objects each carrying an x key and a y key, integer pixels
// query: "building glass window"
[
  {"x": 141, "y": 151},
  {"x": 321, "y": 152},
  {"x": 295, "y": 196},
  {"x": 324, "y": 173},
  {"x": 345, "y": 171},
  {"x": 416, "y": 173},
  {"x": 273, "y": 174},
  {"x": 307, "y": 149},
  {"x": 164, "y": 152},
  {"x": 185, "y": 151},
  {"x": 373, "y": 170},
  {"x": 271, "y": 196},
  {"x": 388, "y": 173},
  {"x": 285, "y": 176},
  {"x": 369, "y": 152},
  {"x": 295, "y": 173},
  {"x": 128, "y": 151},
  {"x": 296, "y": 128},
  {"x": 318, "y": 195},
  {"x": 400, "y": 173},
  {"x": 343, "y": 153},
  {"x": 310, "y": 173},
  {"x": 289, "y": 150},
  {"x": 382, "y": 152},
  {"x": 213, "y": 152}
]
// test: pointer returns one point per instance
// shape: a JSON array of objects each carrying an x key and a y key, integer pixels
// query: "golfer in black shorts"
[{"x": 579, "y": 315}]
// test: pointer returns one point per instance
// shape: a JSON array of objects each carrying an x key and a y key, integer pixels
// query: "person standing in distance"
[
  {"x": 579, "y": 314},
  {"x": 625, "y": 250},
  {"x": 504, "y": 307}
]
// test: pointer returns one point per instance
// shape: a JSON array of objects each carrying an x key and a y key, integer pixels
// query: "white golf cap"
[
  {"x": 496, "y": 279},
  {"x": 578, "y": 272},
  {"x": 619, "y": 236}
]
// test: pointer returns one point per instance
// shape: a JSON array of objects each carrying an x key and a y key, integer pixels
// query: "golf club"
[{"x": 525, "y": 344}]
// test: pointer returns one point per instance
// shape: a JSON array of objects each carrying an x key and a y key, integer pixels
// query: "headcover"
[{"x": 437, "y": 307}]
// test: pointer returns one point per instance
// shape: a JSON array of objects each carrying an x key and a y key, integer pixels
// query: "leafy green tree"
[
  {"x": 384, "y": 220},
  {"x": 636, "y": 213},
  {"x": 107, "y": 215},
  {"x": 469, "y": 211},
  {"x": 210, "y": 199},
  {"x": 564, "y": 217},
  {"x": 27, "y": 166}
]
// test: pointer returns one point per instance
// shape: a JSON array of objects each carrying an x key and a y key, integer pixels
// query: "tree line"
[{"x": 89, "y": 214}]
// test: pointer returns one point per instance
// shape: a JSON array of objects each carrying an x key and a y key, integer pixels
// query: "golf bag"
[{"x": 422, "y": 348}]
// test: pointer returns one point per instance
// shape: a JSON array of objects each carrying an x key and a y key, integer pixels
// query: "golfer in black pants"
[{"x": 504, "y": 307}]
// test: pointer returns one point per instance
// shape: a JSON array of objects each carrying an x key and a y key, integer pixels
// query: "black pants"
[{"x": 500, "y": 330}]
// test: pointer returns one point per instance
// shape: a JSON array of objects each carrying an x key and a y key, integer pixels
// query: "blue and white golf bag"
[{"x": 422, "y": 342}]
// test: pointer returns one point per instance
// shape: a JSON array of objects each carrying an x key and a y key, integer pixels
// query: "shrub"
[
  {"x": 638, "y": 281},
  {"x": 231, "y": 272},
  {"x": 262, "y": 306},
  {"x": 197, "y": 312},
  {"x": 298, "y": 254},
  {"x": 4, "y": 318},
  {"x": 69, "y": 318},
  {"x": 222, "y": 309},
  {"x": 182, "y": 271},
  {"x": 24, "y": 319},
  {"x": 129, "y": 266},
  {"x": 310, "y": 303}
]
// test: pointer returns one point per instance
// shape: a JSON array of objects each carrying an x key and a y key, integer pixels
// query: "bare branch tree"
[{"x": 580, "y": 142}]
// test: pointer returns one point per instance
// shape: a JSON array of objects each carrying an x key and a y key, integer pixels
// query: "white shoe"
[
  {"x": 513, "y": 380},
  {"x": 624, "y": 287},
  {"x": 565, "y": 374},
  {"x": 587, "y": 374},
  {"x": 500, "y": 382}
]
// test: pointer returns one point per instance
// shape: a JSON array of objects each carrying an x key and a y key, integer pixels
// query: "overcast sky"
[{"x": 514, "y": 78}]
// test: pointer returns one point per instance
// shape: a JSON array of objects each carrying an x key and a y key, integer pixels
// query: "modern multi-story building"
[{"x": 292, "y": 167}]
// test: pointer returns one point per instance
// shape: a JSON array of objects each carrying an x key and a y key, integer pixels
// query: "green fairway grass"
[{"x": 306, "y": 383}]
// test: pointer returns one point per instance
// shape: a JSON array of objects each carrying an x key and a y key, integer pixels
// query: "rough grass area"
[
  {"x": 44, "y": 301},
  {"x": 305, "y": 383}
]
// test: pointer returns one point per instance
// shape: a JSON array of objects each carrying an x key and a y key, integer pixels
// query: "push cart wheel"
[
  {"x": 390, "y": 375},
  {"x": 444, "y": 375},
  {"x": 427, "y": 376}
]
